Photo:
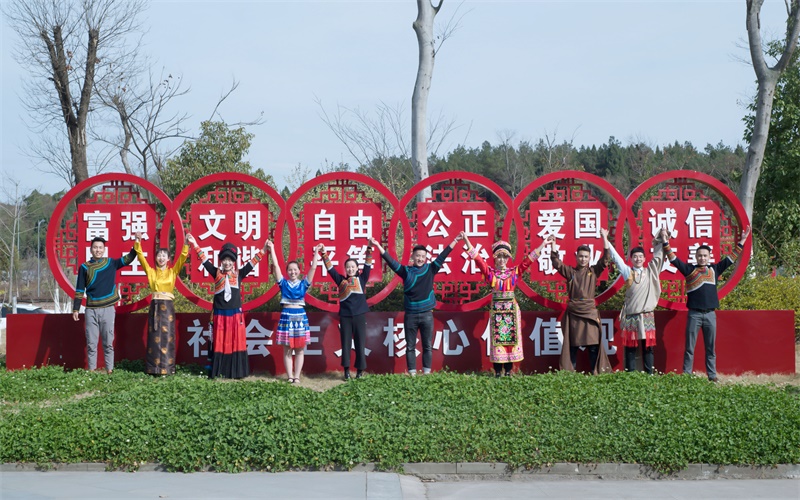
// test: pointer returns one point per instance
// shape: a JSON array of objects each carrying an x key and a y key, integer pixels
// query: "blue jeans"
[
  {"x": 424, "y": 323},
  {"x": 707, "y": 320}
]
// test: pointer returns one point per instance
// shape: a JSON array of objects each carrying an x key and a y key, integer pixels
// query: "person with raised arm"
[
  {"x": 229, "y": 359},
  {"x": 637, "y": 321},
  {"x": 97, "y": 281},
  {"x": 505, "y": 324},
  {"x": 418, "y": 299},
  {"x": 293, "y": 332},
  {"x": 160, "y": 357},
  {"x": 353, "y": 307},
  {"x": 581, "y": 322},
  {"x": 702, "y": 300}
]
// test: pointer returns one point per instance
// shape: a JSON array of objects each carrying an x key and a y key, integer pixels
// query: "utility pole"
[{"x": 38, "y": 258}]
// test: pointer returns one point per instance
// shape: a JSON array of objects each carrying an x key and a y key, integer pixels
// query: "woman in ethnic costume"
[
  {"x": 160, "y": 359},
  {"x": 293, "y": 332},
  {"x": 506, "y": 334},
  {"x": 229, "y": 334},
  {"x": 353, "y": 308}
]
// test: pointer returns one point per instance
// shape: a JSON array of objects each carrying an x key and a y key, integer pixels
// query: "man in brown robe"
[{"x": 581, "y": 321}]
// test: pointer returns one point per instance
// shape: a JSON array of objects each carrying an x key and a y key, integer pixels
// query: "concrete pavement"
[{"x": 369, "y": 485}]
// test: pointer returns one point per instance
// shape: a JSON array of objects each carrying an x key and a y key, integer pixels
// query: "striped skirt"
[
  {"x": 293, "y": 328},
  {"x": 160, "y": 359},
  {"x": 636, "y": 327}
]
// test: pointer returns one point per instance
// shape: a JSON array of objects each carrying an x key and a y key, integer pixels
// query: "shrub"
[
  {"x": 766, "y": 293},
  {"x": 189, "y": 423}
]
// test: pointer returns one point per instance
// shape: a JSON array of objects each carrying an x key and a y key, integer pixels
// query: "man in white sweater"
[{"x": 637, "y": 321}]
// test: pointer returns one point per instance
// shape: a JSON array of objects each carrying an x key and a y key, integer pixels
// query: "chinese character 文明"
[
  {"x": 249, "y": 223},
  {"x": 212, "y": 220}
]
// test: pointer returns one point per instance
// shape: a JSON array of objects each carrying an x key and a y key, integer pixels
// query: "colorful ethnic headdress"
[{"x": 501, "y": 248}]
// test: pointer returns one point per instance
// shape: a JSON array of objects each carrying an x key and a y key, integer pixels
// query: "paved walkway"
[{"x": 368, "y": 485}]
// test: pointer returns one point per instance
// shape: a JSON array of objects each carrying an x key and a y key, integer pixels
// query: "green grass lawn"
[{"x": 188, "y": 423}]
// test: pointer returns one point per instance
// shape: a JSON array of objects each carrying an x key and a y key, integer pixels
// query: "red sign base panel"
[{"x": 760, "y": 342}]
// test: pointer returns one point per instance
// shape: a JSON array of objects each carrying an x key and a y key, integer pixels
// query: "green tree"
[
  {"x": 218, "y": 149},
  {"x": 776, "y": 213}
]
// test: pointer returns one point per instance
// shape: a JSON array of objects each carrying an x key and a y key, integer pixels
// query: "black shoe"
[
  {"x": 496, "y": 374},
  {"x": 508, "y": 374},
  {"x": 347, "y": 374},
  {"x": 359, "y": 374}
]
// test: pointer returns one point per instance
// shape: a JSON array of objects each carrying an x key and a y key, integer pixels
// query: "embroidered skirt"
[
  {"x": 638, "y": 327},
  {"x": 160, "y": 359},
  {"x": 293, "y": 328},
  {"x": 505, "y": 335},
  {"x": 230, "y": 345}
]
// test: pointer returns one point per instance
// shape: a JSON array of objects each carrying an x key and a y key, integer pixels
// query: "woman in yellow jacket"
[{"x": 160, "y": 359}]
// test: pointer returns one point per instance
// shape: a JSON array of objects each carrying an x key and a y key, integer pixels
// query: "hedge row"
[{"x": 188, "y": 423}]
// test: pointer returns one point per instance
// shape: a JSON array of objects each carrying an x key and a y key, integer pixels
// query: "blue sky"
[{"x": 639, "y": 70}]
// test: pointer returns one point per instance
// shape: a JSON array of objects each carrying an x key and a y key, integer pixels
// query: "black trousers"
[
  {"x": 593, "y": 350},
  {"x": 424, "y": 323},
  {"x": 647, "y": 355},
  {"x": 353, "y": 329}
]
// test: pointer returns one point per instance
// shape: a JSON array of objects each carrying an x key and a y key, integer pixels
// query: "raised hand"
[
  {"x": 191, "y": 240},
  {"x": 319, "y": 248},
  {"x": 745, "y": 234},
  {"x": 138, "y": 236},
  {"x": 604, "y": 232}
]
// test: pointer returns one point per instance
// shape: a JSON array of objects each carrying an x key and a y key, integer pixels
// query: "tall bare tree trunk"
[
  {"x": 423, "y": 27},
  {"x": 767, "y": 80}
]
